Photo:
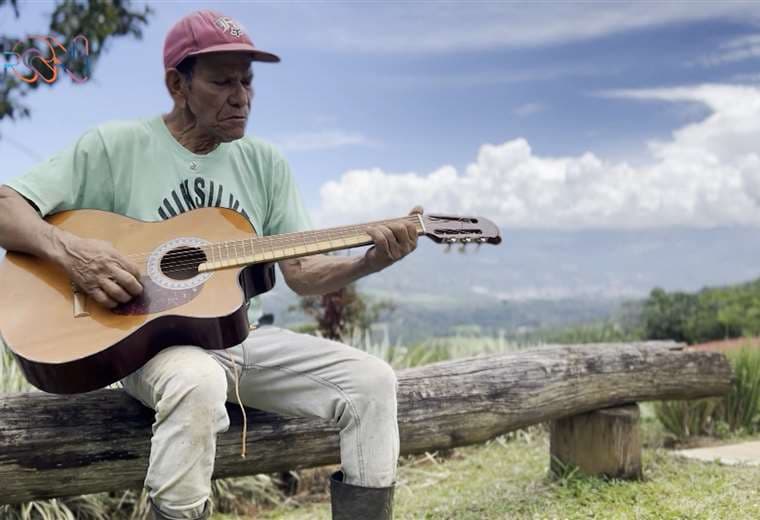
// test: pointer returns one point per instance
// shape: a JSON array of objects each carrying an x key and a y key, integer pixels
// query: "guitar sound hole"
[{"x": 182, "y": 263}]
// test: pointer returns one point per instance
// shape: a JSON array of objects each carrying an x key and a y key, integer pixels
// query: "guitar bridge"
[{"x": 80, "y": 302}]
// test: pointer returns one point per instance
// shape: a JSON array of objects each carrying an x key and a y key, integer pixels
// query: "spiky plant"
[{"x": 740, "y": 407}]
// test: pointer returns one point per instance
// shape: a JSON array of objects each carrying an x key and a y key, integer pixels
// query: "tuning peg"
[{"x": 448, "y": 248}]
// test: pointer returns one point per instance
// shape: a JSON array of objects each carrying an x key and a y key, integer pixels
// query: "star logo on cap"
[{"x": 226, "y": 23}]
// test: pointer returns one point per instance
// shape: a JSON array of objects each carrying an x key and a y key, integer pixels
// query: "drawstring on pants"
[{"x": 240, "y": 403}]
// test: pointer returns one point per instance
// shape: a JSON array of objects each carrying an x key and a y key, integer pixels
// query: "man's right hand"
[{"x": 98, "y": 269}]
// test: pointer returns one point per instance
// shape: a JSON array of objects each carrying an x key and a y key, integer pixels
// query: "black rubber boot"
[
  {"x": 155, "y": 514},
  {"x": 359, "y": 503}
]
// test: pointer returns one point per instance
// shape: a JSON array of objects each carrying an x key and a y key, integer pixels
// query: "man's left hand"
[{"x": 393, "y": 242}]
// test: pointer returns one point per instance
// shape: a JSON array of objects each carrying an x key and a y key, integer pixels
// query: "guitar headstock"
[{"x": 452, "y": 229}]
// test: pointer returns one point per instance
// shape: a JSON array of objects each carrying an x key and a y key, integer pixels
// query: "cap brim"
[{"x": 256, "y": 54}]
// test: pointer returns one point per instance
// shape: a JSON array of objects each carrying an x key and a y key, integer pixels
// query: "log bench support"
[{"x": 604, "y": 443}]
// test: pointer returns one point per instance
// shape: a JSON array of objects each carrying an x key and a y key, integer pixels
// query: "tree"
[
  {"x": 711, "y": 314},
  {"x": 704, "y": 323},
  {"x": 339, "y": 312},
  {"x": 665, "y": 315},
  {"x": 79, "y": 32}
]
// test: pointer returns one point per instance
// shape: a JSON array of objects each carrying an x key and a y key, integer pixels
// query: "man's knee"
[
  {"x": 195, "y": 395},
  {"x": 375, "y": 382}
]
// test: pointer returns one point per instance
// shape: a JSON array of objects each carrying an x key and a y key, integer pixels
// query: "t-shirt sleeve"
[
  {"x": 78, "y": 177},
  {"x": 287, "y": 213}
]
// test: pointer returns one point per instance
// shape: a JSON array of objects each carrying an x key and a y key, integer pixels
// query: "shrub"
[
  {"x": 736, "y": 412},
  {"x": 685, "y": 419},
  {"x": 740, "y": 407}
]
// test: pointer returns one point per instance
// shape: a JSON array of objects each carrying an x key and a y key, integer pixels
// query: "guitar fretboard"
[{"x": 256, "y": 250}]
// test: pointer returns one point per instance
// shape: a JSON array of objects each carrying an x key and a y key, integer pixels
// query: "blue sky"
[{"x": 542, "y": 114}]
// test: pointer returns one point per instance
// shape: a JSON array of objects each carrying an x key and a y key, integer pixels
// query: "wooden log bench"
[{"x": 53, "y": 446}]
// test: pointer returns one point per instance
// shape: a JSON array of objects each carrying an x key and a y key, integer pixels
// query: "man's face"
[{"x": 221, "y": 93}]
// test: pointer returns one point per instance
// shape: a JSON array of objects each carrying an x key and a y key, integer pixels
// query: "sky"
[{"x": 539, "y": 115}]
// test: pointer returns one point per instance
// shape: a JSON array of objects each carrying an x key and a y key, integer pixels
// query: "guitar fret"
[
  {"x": 277, "y": 247},
  {"x": 310, "y": 247}
]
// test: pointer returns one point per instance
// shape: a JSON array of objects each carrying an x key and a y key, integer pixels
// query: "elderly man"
[{"x": 198, "y": 155}]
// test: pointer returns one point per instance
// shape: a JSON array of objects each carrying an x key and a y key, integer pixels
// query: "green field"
[{"x": 508, "y": 479}]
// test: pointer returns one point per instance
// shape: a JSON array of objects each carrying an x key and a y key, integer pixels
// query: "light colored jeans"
[{"x": 280, "y": 371}]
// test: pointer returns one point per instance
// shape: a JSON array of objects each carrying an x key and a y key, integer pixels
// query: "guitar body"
[
  {"x": 198, "y": 271},
  {"x": 67, "y": 344}
]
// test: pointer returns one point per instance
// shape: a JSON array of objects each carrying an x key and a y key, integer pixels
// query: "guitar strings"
[
  {"x": 268, "y": 240},
  {"x": 285, "y": 241},
  {"x": 180, "y": 261},
  {"x": 191, "y": 260},
  {"x": 173, "y": 267},
  {"x": 284, "y": 237},
  {"x": 186, "y": 260},
  {"x": 184, "y": 264},
  {"x": 294, "y": 240}
]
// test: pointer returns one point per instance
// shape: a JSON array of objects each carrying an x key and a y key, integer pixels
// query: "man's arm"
[
  {"x": 321, "y": 274},
  {"x": 93, "y": 265},
  {"x": 22, "y": 229}
]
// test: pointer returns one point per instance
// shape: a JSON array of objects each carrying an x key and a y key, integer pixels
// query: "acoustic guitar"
[{"x": 198, "y": 271}]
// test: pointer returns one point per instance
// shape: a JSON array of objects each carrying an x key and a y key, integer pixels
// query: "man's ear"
[{"x": 177, "y": 87}]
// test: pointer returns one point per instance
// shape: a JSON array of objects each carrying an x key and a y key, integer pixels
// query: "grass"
[
  {"x": 508, "y": 479},
  {"x": 432, "y": 350}
]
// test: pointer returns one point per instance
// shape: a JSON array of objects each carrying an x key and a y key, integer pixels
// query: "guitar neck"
[{"x": 223, "y": 255}]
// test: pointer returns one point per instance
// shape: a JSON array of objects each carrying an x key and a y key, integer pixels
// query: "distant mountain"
[
  {"x": 581, "y": 264},
  {"x": 540, "y": 278}
]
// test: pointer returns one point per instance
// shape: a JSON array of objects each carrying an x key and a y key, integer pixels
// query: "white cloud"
[
  {"x": 737, "y": 49},
  {"x": 529, "y": 109},
  {"x": 706, "y": 174},
  {"x": 494, "y": 76},
  {"x": 392, "y": 27},
  {"x": 323, "y": 140}
]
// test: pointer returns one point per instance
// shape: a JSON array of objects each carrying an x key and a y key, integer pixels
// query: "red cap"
[{"x": 208, "y": 31}]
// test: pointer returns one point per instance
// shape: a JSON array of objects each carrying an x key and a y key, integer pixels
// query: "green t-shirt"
[{"x": 139, "y": 170}]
